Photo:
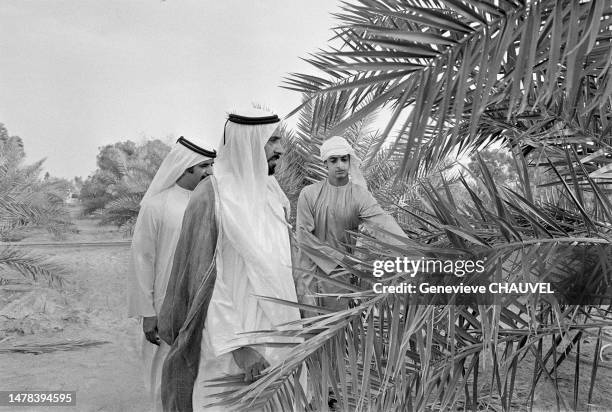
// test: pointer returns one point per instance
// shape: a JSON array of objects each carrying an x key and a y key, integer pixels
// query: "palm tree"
[
  {"x": 534, "y": 76},
  {"x": 124, "y": 181},
  {"x": 27, "y": 201},
  {"x": 126, "y": 192}
]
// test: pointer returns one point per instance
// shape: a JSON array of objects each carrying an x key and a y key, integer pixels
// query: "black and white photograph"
[{"x": 308, "y": 205}]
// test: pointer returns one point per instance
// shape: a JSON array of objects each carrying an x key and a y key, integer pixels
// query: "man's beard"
[{"x": 272, "y": 166}]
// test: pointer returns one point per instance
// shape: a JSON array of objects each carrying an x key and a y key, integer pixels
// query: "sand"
[{"x": 90, "y": 306}]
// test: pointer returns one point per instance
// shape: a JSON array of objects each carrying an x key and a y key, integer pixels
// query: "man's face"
[
  {"x": 203, "y": 170},
  {"x": 338, "y": 166},
  {"x": 273, "y": 150},
  {"x": 193, "y": 175}
]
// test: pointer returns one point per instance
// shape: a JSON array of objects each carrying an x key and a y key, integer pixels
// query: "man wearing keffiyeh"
[
  {"x": 326, "y": 211},
  {"x": 234, "y": 246},
  {"x": 155, "y": 236}
]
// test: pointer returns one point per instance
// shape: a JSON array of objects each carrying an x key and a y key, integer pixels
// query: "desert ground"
[
  {"x": 89, "y": 308},
  {"x": 93, "y": 347}
]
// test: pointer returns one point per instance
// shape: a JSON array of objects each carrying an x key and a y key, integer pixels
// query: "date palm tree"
[
  {"x": 27, "y": 201},
  {"x": 126, "y": 185},
  {"x": 534, "y": 76}
]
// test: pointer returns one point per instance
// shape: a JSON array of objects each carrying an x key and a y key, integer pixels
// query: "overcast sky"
[{"x": 78, "y": 74}]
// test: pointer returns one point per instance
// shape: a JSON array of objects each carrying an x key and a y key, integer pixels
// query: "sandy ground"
[{"x": 91, "y": 306}]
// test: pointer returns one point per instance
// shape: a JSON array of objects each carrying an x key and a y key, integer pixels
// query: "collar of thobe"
[{"x": 182, "y": 189}]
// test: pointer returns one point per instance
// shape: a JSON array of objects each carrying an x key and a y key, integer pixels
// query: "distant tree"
[
  {"x": 114, "y": 157},
  {"x": 11, "y": 147},
  {"x": 61, "y": 187},
  {"x": 77, "y": 182},
  {"x": 124, "y": 173},
  {"x": 94, "y": 194}
]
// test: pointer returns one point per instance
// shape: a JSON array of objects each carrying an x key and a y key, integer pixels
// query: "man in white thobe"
[
  {"x": 234, "y": 247},
  {"x": 154, "y": 241}
]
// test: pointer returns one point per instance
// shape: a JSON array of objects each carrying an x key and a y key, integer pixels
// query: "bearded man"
[
  {"x": 155, "y": 236},
  {"x": 234, "y": 246},
  {"x": 326, "y": 211}
]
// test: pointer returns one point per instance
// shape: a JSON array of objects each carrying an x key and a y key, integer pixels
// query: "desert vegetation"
[{"x": 531, "y": 79}]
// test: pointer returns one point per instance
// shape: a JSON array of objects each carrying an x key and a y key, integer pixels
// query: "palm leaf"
[{"x": 32, "y": 265}]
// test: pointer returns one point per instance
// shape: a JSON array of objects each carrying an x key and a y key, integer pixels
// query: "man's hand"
[
  {"x": 251, "y": 362},
  {"x": 149, "y": 327}
]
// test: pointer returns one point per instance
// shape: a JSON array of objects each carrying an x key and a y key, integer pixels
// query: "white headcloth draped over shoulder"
[
  {"x": 338, "y": 146},
  {"x": 251, "y": 210},
  {"x": 184, "y": 154}
]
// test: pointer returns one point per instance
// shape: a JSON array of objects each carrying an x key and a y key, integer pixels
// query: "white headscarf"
[
  {"x": 338, "y": 146},
  {"x": 251, "y": 205},
  {"x": 184, "y": 154}
]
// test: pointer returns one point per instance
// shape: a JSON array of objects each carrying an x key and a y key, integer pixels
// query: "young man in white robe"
[
  {"x": 153, "y": 244},
  {"x": 326, "y": 210},
  {"x": 234, "y": 246}
]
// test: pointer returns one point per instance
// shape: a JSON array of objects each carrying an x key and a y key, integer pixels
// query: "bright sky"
[{"x": 79, "y": 74}]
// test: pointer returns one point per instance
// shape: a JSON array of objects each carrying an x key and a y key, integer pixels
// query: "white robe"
[
  {"x": 234, "y": 309},
  {"x": 154, "y": 241}
]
